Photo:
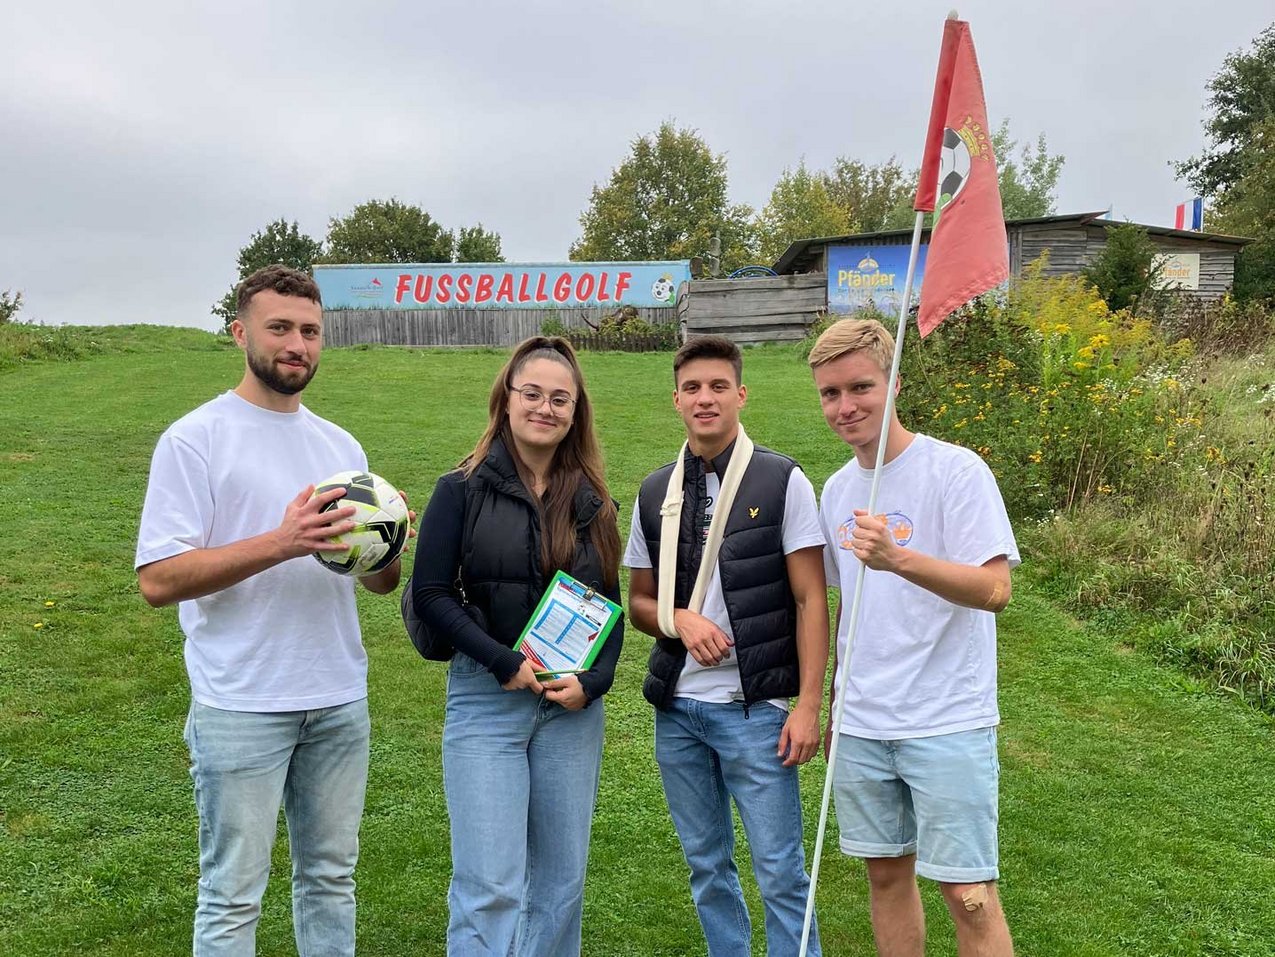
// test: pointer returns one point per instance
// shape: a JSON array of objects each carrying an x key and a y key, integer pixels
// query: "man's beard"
[{"x": 270, "y": 376}]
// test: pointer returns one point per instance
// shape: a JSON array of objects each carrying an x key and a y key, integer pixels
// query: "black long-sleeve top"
[{"x": 438, "y": 548}]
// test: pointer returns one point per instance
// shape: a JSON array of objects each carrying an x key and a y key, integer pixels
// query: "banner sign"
[
  {"x": 502, "y": 285},
  {"x": 1179, "y": 271},
  {"x": 859, "y": 273}
]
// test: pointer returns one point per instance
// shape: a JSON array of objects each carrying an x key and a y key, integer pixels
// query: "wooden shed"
[
  {"x": 1071, "y": 241},
  {"x": 1200, "y": 265}
]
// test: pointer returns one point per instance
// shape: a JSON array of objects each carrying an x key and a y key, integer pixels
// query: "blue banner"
[
  {"x": 857, "y": 274},
  {"x": 502, "y": 285}
]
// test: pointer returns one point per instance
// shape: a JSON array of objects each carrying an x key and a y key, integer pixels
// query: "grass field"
[{"x": 1138, "y": 815}]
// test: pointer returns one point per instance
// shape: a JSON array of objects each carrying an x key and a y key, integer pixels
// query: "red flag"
[{"x": 969, "y": 252}]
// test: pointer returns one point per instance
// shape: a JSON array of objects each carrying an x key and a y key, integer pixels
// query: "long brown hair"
[{"x": 577, "y": 457}]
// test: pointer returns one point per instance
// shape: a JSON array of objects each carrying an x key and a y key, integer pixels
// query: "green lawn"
[{"x": 1138, "y": 814}]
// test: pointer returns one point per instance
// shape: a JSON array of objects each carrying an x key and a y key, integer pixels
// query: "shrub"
[
  {"x": 636, "y": 336},
  {"x": 1126, "y": 271},
  {"x": 1065, "y": 399},
  {"x": 22, "y": 342},
  {"x": 1227, "y": 326},
  {"x": 823, "y": 320},
  {"x": 552, "y": 325}
]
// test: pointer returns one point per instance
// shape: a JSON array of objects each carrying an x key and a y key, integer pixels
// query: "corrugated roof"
[{"x": 802, "y": 248}]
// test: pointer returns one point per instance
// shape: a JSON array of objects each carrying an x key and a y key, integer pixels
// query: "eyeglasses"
[{"x": 532, "y": 398}]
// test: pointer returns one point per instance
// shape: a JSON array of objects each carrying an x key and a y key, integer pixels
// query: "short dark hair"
[
  {"x": 709, "y": 347},
  {"x": 284, "y": 280}
]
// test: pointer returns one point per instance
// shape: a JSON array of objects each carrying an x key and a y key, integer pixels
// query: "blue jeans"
[
  {"x": 708, "y": 754},
  {"x": 521, "y": 775},
  {"x": 244, "y": 765}
]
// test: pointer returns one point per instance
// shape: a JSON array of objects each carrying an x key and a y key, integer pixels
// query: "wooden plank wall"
[
  {"x": 772, "y": 309},
  {"x": 1071, "y": 248},
  {"x": 1217, "y": 261},
  {"x": 457, "y": 327}
]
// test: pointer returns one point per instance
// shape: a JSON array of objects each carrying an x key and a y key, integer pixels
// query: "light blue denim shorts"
[{"x": 933, "y": 797}]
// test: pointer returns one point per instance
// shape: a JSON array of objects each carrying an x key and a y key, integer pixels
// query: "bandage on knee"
[{"x": 975, "y": 897}]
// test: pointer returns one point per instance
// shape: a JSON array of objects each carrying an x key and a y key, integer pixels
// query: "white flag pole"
[{"x": 853, "y": 623}]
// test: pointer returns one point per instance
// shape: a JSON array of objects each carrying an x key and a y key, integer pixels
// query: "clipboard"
[{"x": 568, "y": 628}]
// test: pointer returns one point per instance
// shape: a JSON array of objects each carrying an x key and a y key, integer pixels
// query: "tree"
[
  {"x": 475, "y": 245},
  {"x": 279, "y": 242},
  {"x": 799, "y": 208},
  {"x": 10, "y": 305},
  {"x": 1241, "y": 99},
  {"x": 1125, "y": 271},
  {"x": 1027, "y": 183},
  {"x": 1247, "y": 208},
  {"x": 880, "y": 197},
  {"x": 873, "y": 198},
  {"x": 387, "y": 231},
  {"x": 666, "y": 200},
  {"x": 1237, "y": 168}
]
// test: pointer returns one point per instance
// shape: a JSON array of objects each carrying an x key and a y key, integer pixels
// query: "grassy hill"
[{"x": 1137, "y": 809}]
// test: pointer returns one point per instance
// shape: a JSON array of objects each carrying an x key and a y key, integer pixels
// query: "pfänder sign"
[
  {"x": 1178, "y": 271},
  {"x": 859, "y": 274},
  {"x": 502, "y": 285}
]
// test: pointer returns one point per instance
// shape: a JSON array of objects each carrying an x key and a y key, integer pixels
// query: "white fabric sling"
[{"x": 670, "y": 525}]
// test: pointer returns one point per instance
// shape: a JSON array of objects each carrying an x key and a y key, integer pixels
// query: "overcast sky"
[{"x": 141, "y": 144}]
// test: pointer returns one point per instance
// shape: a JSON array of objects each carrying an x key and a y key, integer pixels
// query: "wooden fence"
[
  {"x": 663, "y": 341},
  {"x": 458, "y": 327},
  {"x": 772, "y": 309}
]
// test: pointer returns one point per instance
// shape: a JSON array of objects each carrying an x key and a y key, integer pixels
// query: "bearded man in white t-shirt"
[
  {"x": 726, "y": 572},
  {"x": 917, "y": 774},
  {"x": 277, "y": 669}
]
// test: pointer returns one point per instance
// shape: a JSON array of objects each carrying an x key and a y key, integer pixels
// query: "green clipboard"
[{"x": 568, "y": 628}]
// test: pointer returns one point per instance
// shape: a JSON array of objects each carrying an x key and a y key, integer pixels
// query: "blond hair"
[{"x": 854, "y": 335}]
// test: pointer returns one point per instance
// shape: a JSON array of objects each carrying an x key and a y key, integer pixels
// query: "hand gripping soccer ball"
[{"x": 382, "y": 520}]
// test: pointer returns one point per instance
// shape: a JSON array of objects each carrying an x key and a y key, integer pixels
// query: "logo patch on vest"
[{"x": 752, "y": 512}]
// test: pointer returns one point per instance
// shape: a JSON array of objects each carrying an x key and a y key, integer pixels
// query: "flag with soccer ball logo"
[{"x": 968, "y": 253}]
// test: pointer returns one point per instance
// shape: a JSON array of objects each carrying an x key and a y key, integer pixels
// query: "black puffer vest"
[
  {"x": 501, "y": 564},
  {"x": 759, "y": 602}
]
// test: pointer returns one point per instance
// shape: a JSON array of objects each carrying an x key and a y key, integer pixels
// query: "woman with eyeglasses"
[{"x": 521, "y": 756}]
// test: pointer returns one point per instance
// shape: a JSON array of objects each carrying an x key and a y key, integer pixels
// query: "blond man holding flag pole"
[{"x": 927, "y": 556}]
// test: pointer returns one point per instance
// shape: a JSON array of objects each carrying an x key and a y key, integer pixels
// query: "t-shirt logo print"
[{"x": 900, "y": 527}]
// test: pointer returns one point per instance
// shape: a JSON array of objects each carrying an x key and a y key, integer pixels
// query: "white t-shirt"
[
  {"x": 721, "y": 683},
  {"x": 286, "y": 639},
  {"x": 920, "y": 665}
]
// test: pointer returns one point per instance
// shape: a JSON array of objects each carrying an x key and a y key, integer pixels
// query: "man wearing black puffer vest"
[{"x": 737, "y": 605}]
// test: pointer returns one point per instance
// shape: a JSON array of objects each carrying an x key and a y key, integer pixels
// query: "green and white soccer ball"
[
  {"x": 381, "y": 529},
  {"x": 954, "y": 166}
]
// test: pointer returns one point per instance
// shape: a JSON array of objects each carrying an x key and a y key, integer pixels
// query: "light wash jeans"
[
  {"x": 708, "y": 754},
  {"x": 245, "y": 764},
  {"x": 521, "y": 775}
]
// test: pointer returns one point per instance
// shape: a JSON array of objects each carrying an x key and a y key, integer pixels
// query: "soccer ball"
[
  {"x": 382, "y": 520},
  {"x": 954, "y": 166}
]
